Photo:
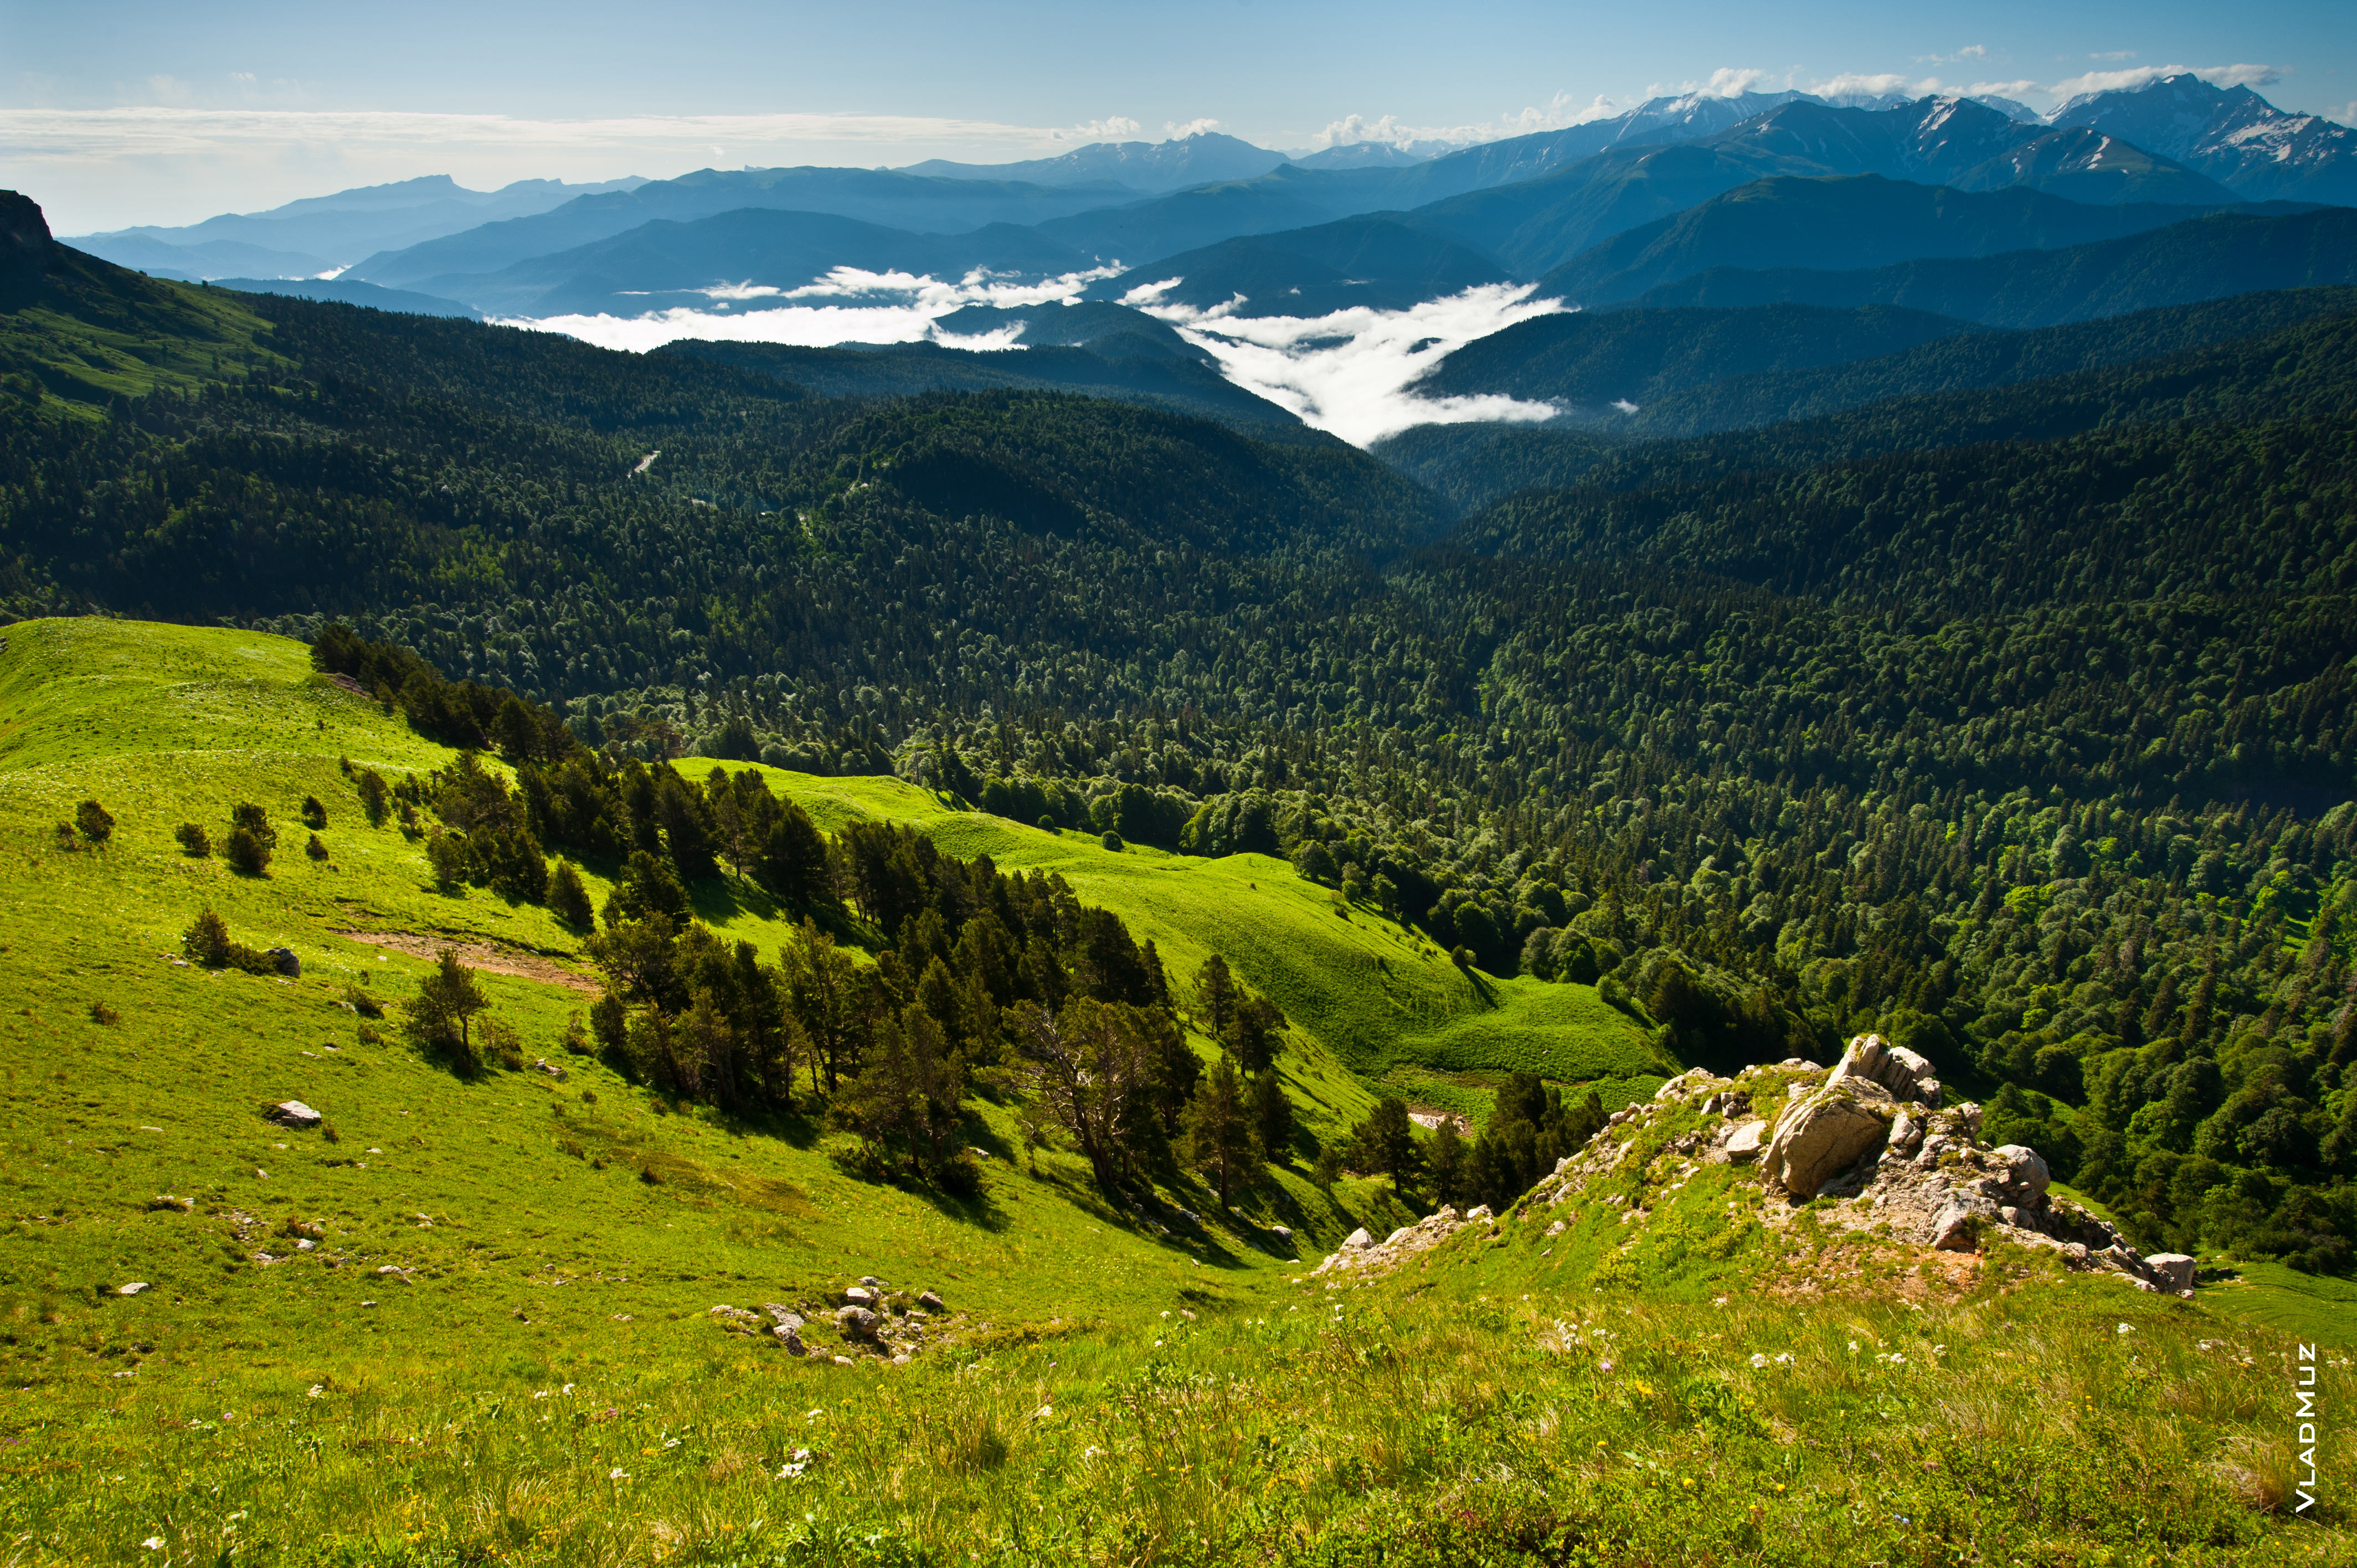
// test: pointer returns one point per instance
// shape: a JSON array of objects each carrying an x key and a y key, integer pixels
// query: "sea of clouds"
[{"x": 1350, "y": 373}]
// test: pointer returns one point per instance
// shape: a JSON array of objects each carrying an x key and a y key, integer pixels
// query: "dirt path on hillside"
[{"x": 522, "y": 964}]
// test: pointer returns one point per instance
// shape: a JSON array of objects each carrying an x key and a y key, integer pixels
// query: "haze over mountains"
[{"x": 1976, "y": 211}]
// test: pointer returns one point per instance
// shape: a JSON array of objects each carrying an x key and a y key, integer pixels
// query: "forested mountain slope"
[{"x": 2014, "y": 723}]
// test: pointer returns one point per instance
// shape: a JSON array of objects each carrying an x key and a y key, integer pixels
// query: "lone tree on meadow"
[{"x": 440, "y": 1016}]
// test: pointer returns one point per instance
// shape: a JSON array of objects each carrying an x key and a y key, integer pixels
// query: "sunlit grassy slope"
[
  {"x": 521, "y": 1179},
  {"x": 536, "y": 1378}
]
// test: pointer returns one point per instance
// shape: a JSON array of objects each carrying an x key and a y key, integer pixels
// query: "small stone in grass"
[{"x": 132, "y": 1289}]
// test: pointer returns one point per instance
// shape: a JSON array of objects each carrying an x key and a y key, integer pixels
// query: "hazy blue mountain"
[
  {"x": 1151, "y": 167},
  {"x": 1539, "y": 224},
  {"x": 1862, "y": 220},
  {"x": 2080, "y": 165},
  {"x": 881, "y": 196},
  {"x": 664, "y": 264},
  {"x": 1374, "y": 261},
  {"x": 1364, "y": 154},
  {"x": 2230, "y": 134},
  {"x": 349, "y": 291},
  {"x": 900, "y": 370},
  {"x": 1587, "y": 363},
  {"x": 2210, "y": 257},
  {"x": 195, "y": 264},
  {"x": 1286, "y": 197},
  {"x": 318, "y": 233}
]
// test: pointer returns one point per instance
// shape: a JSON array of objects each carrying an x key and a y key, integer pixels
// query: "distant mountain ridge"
[
  {"x": 321, "y": 233},
  {"x": 2230, "y": 134},
  {"x": 2210, "y": 257},
  {"x": 1148, "y": 168},
  {"x": 1847, "y": 223}
]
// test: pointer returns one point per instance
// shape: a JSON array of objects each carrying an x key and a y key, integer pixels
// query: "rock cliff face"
[{"x": 26, "y": 248}]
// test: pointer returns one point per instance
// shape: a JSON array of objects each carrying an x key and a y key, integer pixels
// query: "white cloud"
[
  {"x": 1854, "y": 84},
  {"x": 877, "y": 307},
  {"x": 1112, "y": 128},
  {"x": 1178, "y": 132},
  {"x": 2345, "y": 114},
  {"x": 2114, "y": 54},
  {"x": 1350, "y": 373},
  {"x": 1729, "y": 82},
  {"x": 1970, "y": 51},
  {"x": 2001, "y": 89},
  {"x": 1557, "y": 114}
]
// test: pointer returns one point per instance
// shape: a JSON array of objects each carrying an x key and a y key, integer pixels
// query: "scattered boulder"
[
  {"x": 1283, "y": 1234},
  {"x": 931, "y": 1302},
  {"x": 288, "y": 965},
  {"x": 860, "y": 1296},
  {"x": 545, "y": 1066},
  {"x": 293, "y": 1114},
  {"x": 134, "y": 1288},
  {"x": 1745, "y": 1144},
  {"x": 2025, "y": 1177},
  {"x": 1362, "y": 1251},
  {"x": 1956, "y": 1228},
  {"x": 1480, "y": 1214},
  {"x": 1819, "y": 1136},
  {"x": 856, "y": 1323},
  {"x": 736, "y": 1320},
  {"x": 2171, "y": 1271},
  {"x": 163, "y": 1201}
]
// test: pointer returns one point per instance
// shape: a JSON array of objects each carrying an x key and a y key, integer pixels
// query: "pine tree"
[
  {"x": 1220, "y": 1131},
  {"x": 568, "y": 897},
  {"x": 1447, "y": 1160},
  {"x": 1272, "y": 1117},
  {"x": 440, "y": 1017},
  {"x": 1215, "y": 995}
]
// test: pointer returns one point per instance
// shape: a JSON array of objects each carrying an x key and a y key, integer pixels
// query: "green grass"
[
  {"x": 548, "y": 1325},
  {"x": 2307, "y": 1306},
  {"x": 92, "y": 332}
]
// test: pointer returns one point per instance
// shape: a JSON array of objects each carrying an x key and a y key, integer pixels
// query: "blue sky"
[{"x": 116, "y": 112}]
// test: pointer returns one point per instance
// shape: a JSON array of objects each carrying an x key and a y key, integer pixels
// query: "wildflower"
[
  {"x": 617, "y": 1473},
  {"x": 317, "y": 1390},
  {"x": 1784, "y": 1358},
  {"x": 790, "y": 1471},
  {"x": 154, "y": 1543},
  {"x": 1044, "y": 1413},
  {"x": 1759, "y": 1362},
  {"x": 2126, "y": 1328},
  {"x": 1603, "y": 1366},
  {"x": 671, "y": 1442},
  {"x": 801, "y": 1456}
]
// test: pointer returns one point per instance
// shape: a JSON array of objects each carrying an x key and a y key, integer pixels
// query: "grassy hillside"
[{"x": 86, "y": 332}]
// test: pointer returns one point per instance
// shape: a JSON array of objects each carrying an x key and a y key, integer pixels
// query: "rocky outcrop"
[
  {"x": 1873, "y": 1136},
  {"x": 293, "y": 1114},
  {"x": 1363, "y": 1254},
  {"x": 1902, "y": 1074}
]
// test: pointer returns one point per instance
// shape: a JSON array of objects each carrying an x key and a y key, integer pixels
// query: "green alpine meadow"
[{"x": 1180, "y": 911}]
